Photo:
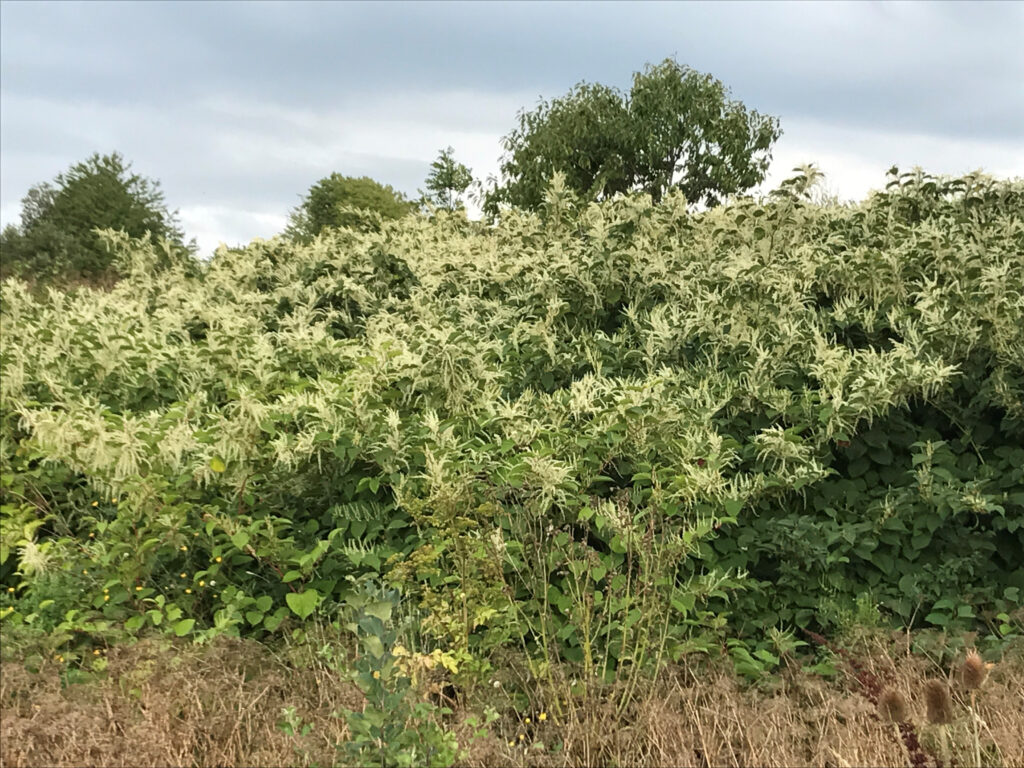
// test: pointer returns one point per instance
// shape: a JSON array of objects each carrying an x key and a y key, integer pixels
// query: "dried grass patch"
[
  {"x": 221, "y": 705},
  {"x": 180, "y": 706}
]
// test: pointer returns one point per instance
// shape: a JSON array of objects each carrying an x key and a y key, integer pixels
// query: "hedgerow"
[{"x": 609, "y": 434}]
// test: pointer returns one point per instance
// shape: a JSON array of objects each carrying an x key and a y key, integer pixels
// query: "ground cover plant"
[{"x": 552, "y": 457}]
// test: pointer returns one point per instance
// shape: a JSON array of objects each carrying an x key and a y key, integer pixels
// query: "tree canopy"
[
  {"x": 57, "y": 236},
  {"x": 675, "y": 128},
  {"x": 346, "y": 201},
  {"x": 448, "y": 181}
]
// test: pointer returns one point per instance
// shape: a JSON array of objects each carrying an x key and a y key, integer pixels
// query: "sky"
[{"x": 238, "y": 108}]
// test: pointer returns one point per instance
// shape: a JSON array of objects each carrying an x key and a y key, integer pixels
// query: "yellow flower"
[
  {"x": 95, "y": 503},
  {"x": 542, "y": 716},
  {"x": 188, "y": 591},
  {"x": 92, "y": 535},
  {"x": 184, "y": 548},
  {"x": 85, "y": 572},
  {"x": 512, "y": 743},
  {"x": 522, "y": 737},
  {"x": 106, "y": 597},
  {"x": 217, "y": 559},
  {"x": 138, "y": 589},
  {"x": 376, "y": 675},
  {"x": 113, "y": 501},
  {"x": 96, "y": 652},
  {"x": 10, "y": 589},
  {"x": 184, "y": 575},
  {"x": 195, "y": 535},
  {"x": 216, "y": 595},
  {"x": 202, "y": 583},
  {"x": 527, "y": 721}
]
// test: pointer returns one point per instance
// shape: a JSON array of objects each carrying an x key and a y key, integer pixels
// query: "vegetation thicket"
[{"x": 611, "y": 433}]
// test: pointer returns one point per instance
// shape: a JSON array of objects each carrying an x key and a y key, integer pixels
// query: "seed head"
[
  {"x": 940, "y": 705},
  {"x": 974, "y": 671},
  {"x": 892, "y": 706}
]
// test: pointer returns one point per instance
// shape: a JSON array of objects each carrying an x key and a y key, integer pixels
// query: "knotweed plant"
[{"x": 598, "y": 433}]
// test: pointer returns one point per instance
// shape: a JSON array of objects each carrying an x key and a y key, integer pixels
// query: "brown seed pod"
[
  {"x": 892, "y": 706},
  {"x": 940, "y": 705},
  {"x": 974, "y": 671}
]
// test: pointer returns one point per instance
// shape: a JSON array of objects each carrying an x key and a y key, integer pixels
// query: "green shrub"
[{"x": 608, "y": 433}]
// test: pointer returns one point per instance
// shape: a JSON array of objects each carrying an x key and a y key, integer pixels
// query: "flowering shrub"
[{"x": 605, "y": 431}]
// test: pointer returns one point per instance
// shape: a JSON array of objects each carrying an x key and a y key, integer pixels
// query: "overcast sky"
[{"x": 238, "y": 108}]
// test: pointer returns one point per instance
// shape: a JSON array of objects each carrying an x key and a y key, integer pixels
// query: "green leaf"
[
  {"x": 303, "y": 603},
  {"x": 381, "y": 609},
  {"x": 374, "y": 646},
  {"x": 240, "y": 539},
  {"x": 183, "y": 627},
  {"x": 733, "y": 507}
]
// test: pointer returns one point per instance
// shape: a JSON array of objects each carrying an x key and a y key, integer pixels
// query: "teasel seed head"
[
  {"x": 940, "y": 705},
  {"x": 893, "y": 706},
  {"x": 974, "y": 671}
]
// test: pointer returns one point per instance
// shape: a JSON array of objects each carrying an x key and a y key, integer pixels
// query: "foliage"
[
  {"x": 676, "y": 128},
  {"x": 393, "y": 728},
  {"x": 605, "y": 433},
  {"x": 447, "y": 181},
  {"x": 58, "y": 236},
  {"x": 345, "y": 201}
]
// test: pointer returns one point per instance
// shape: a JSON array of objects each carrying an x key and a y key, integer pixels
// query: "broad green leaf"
[
  {"x": 302, "y": 603},
  {"x": 183, "y": 627}
]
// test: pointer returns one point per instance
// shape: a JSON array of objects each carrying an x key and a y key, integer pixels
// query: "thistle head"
[
  {"x": 893, "y": 706},
  {"x": 938, "y": 701},
  {"x": 974, "y": 671}
]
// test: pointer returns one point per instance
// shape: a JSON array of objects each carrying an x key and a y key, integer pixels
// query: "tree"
[
  {"x": 448, "y": 181},
  {"x": 345, "y": 201},
  {"x": 675, "y": 128},
  {"x": 57, "y": 237}
]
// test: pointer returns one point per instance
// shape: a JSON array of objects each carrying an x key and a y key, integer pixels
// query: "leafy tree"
[
  {"x": 57, "y": 237},
  {"x": 448, "y": 181},
  {"x": 675, "y": 128},
  {"x": 346, "y": 201}
]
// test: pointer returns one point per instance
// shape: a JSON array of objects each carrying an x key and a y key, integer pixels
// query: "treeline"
[{"x": 674, "y": 128}]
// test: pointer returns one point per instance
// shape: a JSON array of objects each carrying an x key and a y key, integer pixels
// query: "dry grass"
[
  {"x": 183, "y": 706},
  {"x": 221, "y": 705}
]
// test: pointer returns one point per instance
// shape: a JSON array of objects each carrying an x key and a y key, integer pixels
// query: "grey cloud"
[{"x": 945, "y": 68}]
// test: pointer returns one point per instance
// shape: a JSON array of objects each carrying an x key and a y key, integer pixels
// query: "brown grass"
[
  {"x": 160, "y": 706},
  {"x": 221, "y": 705}
]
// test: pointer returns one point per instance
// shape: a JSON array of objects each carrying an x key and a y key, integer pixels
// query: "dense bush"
[{"x": 609, "y": 433}]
